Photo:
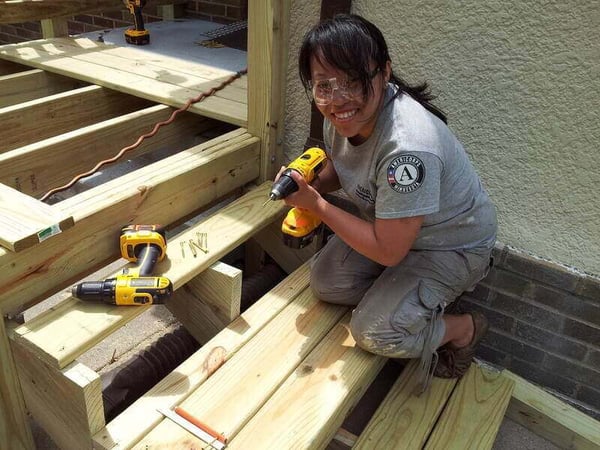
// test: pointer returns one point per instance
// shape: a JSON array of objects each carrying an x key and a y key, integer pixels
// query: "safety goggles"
[{"x": 323, "y": 90}]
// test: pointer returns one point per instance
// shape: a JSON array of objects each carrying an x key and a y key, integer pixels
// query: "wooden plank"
[
  {"x": 55, "y": 57},
  {"x": 208, "y": 302},
  {"x": 33, "y": 121},
  {"x": 551, "y": 418},
  {"x": 31, "y": 84},
  {"x": 56, "y": 27},
  {"x": 25, "y": 221},
  {"x": 404, "y": 419},
  {"x": 268, "y": 23},
  {"x": 163, "y": 192},
  {"x": 231, "y": 396},
  {"x": 475, "y": 411},
  {"x": 310, "y": 406},
  {"x": 14, "y": 426},
  {"x": 137, "y": 420},
  {"x": 36, "y": 168},
  {"x": 67, "y": 403},
  {"x": 73, "y": 327},
  {"x": 181, "y": 73}
]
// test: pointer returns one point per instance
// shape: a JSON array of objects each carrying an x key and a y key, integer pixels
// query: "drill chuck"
[
  {"x": 103, "y": 291},
  {"x": 284, "y": 186}
]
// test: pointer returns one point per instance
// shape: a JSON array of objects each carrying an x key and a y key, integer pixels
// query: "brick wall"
[
  {"x": 545, "y": 325},
  {"x": 220, "y": 11}
]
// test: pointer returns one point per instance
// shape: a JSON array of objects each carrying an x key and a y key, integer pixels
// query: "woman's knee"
[{"x": 378, "y": 337}]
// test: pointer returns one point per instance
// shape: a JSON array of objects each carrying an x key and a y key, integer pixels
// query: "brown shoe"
[{"x": 454, "y": 362}]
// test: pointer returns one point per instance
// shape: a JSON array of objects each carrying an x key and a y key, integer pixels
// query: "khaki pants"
[{"x": 398, "y": 310}]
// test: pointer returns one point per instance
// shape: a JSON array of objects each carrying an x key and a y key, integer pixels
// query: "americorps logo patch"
[{"x": 406, "y": 174}]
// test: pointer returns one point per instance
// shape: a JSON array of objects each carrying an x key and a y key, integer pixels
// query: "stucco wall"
[{"x": 520, "y": 82}]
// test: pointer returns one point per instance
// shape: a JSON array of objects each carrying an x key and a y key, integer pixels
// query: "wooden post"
[
  {"x": 267, "y": 65},
  {"x": 52, "y": 28},
  {"x": 14, "y": 429}
]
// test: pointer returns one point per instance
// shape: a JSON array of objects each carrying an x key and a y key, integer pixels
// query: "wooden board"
[
  {"x": 137, "y": 420},
  {"x": 404, "y": 419},
  {"x": 84, "y": 59},
  {"x": 49, "y": 116},
  {"x": 32, "y": 84},
  {"x": 14, "y": 431},
  {"x": 307, "y": 410},
  {"x": 25, "y": 221},
  {"x": 36, "y": 168},
  {"x": 231, "y": 396},
  {"x": 208, "y": 302},
  {"x": 551, "y": 418},
  {"x": 70, "y": 399},
  {"x": 73, "y": 327},
  {"x": 475, "y": 411},
  {"x": 163, "y": 192}
]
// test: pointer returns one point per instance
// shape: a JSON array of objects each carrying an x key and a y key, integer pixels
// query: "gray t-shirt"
[{"x": 413, "y": 165}]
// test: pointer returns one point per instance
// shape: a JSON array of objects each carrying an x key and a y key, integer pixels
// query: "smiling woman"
[{"x": 426, "y": 226}]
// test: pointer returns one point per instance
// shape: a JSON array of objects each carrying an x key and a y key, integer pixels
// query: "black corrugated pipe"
[{"x": 124, "y": 385}]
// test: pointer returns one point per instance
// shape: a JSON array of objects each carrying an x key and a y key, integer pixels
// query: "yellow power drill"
[
  {"x": 136, "y": 35},
  {"x": 142, "y": 244},
  {"x": 299, "y": 226}
]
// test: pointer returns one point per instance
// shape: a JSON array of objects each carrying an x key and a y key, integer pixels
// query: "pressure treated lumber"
[
  {"x": 208, "y": 302},
  {"x": 33, "y": 121},
  {"x": 32, "y": 84},
  {"x": 547, "y": 416},
  {"x": 475, "y": 411},
  {"x": 36, "y": 168},
  {"x": 73, "y": 327},
  {"x": 404, "y": 419},
  {"x": 141, "y": 417},
  {"x": 268, "y": 29},
  {"x": 82, "y": 58},
  {"x": 66, "y": 403},
  {"x": 14, "y": 431},
  {"x": 309, "y": 407},
  {"x": 25, "y": 221},
  {"x": 163, "y": 192},
  {"x": 231, "y": 396}
]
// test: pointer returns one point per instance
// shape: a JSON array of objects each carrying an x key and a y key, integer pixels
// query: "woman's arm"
[{"x": 386, "y": 241}]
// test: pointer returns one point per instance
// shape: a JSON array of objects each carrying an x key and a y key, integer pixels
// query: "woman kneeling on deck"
[{"x": 426, "y": 226}]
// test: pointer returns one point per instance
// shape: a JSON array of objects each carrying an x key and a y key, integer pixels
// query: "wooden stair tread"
[
  {"x": 141, "y": 417},
  {"x": 309, "y": 407},
  {"x": 475, "y": 411},
  {"x": 25, "y": 221},
  {"x": 72, "y": 327},
  {"x": 232, "y": 395},
  {"x": 405, "y": 419}
]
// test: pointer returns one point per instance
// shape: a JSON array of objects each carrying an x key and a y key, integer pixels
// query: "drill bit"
[{"x": 265, "y": 203}]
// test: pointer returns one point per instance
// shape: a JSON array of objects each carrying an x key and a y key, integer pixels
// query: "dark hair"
[{"x": 346, "y": 42}]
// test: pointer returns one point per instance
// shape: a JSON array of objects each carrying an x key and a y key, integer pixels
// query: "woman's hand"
[{"x": 306, "y": 197}]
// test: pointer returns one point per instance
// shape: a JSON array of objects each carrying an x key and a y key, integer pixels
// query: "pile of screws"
[{"x": 201, "y": 243}]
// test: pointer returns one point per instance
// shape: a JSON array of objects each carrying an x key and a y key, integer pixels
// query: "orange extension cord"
[{"x": 124, "y": 150}]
